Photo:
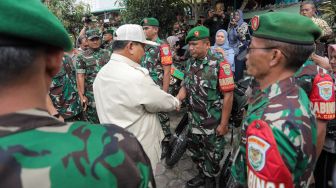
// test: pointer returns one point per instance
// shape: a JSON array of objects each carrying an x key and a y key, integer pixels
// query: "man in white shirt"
[{"x": 126, "y": 95}]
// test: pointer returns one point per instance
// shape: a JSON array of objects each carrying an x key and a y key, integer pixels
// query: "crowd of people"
[{"x": 96, "y": 115}]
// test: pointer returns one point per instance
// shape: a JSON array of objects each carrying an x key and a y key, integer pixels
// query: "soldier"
[
  {"x": 108, "y": 39},
  {"x": 158, "y": 60},
  {"x": 63, "y": 99},
  {"x": 36, "y": 149},
  {"x": 327, "y": 160},
  {"x": 278, "y": 144},
  {"x": 208, "y": 78},
  {"x": 88, "y": 65}
]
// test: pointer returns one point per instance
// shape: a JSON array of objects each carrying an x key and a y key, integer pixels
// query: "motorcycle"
[{"x": 180, "y": 139}]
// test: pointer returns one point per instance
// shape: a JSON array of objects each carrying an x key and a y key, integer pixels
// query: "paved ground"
[{"x": 184, "y": 170}]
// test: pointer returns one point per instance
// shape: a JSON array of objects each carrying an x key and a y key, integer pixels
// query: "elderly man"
[
  {"x": 278, "y": 145},
  {"x": 126, "y": 94},
  {"x": 308, "y": 9},
  {"x": 208, "y": 78},
  {"x": 36, "y": 149}
]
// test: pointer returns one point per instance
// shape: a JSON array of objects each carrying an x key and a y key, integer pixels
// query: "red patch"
[
  {"x": 255, "y": 23},
  {"x": 145, "y": 21},
  {"x": 196, "y": 33}
]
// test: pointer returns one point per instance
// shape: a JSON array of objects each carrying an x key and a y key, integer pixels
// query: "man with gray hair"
[{"x": 125, "y": 93}]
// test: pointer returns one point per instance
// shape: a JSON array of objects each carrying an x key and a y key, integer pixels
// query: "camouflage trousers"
[
  {"x": 91, "y": 115},
  {"x": 207, "y": 152},
  {"x": 165, "y": 123}
]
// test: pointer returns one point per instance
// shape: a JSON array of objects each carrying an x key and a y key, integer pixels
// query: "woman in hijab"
[
  {"x": 222, "y": 46},
  {"x": 326, "y": 163},
  {"x": 237, "y": 31}
]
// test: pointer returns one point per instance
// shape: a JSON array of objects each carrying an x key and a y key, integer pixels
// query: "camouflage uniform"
[
  {"x": 89, "y": 63},
  {"x": 305, "y": 78},
  {"x": 285, "y": 108},
  {"x": 49, "y": 153},
  {"x": 152, "y": 61},
  {"x": 204, "y": 112},
  {"x": 108, "y": 46},
  {"x": 63, "y": 92}
]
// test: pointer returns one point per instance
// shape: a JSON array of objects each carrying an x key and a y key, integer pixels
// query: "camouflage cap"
[
  {"x": 285, "y": 27},
  {"x": 92, "y": 33},
  {"x": 198, "y": 33},
  {"x": 150, "y": 22},
  {"x": 37, "y": 24}
]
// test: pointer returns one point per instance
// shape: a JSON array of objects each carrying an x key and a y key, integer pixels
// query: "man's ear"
[
  {"x": 277, "y": 57},
  {"x": 130, "y": 47},
  {"x": 53, "y": 61}
]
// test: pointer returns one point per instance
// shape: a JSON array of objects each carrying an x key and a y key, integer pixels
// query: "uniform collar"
[
  {"x": 26, "y": 120},
  {"x": 274, "y": 90},
  {"x": 123, "y": 59}
]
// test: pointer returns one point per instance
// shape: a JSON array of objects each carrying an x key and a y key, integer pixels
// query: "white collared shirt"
[{"x": 126, "y": 95}]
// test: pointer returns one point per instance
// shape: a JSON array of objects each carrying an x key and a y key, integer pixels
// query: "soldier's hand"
[
  {"x": 222, "y": 129},
  {"x": 61, "y": 118},
  {"x": 84, "y": 102}
]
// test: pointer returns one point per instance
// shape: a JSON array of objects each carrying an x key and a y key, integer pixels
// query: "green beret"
[
  {"x": 30, "y": 20},
  {"x": 150, "y": 22},
  {"x": 198, "y": 33},
  {"x": 285, "y": 27},
  {"x": 109, "y": 30},
  {"x": 92, "y": 33}
]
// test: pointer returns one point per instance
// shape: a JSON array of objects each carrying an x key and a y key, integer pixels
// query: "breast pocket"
[{"x": 209, "y": 85}]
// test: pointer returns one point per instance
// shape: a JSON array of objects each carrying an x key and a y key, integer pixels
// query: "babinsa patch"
[
  {"x": 257, "y": 149},
  {"x": 165, "y": 50},
  {"x": 325, "y": 90},
  {"x": 227, "y": 69}
]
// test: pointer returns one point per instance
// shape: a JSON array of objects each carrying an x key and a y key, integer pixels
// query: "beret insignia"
[
  {"x": 196, "y": 33},
  {"x": 255, "y": 23}
]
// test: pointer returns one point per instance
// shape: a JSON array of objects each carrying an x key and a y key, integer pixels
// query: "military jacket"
[
  {"x": 285, "y": 108},
  {"x": 153, "y": 62},
  {"x": 89, "y": 63},
  {"x": 203, "y": 94},
  {"x": 305, "y": 78},
  {"x": 108, "y": 46},
  {"x": 49, "y": 153},
  {"x": 63, "y": 90}
]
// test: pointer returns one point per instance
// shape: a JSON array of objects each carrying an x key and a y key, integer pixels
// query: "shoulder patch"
[
  {"x": 257, "y": 149},
  {"x": 227, "y": 69},
  {"x": 325, "y": 89}
]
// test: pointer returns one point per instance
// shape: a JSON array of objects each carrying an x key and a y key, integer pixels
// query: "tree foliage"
[
  {"x": 164, "y": 10},
  {"x": 69, "y": 13}
]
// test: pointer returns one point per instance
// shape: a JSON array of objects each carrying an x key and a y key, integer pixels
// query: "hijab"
[
  {"x": 225, "y": 45},
  {"x": 241, "y": 19}
]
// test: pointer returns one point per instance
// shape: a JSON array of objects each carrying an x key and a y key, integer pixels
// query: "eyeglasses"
[{"x": 266, "y": 48}]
